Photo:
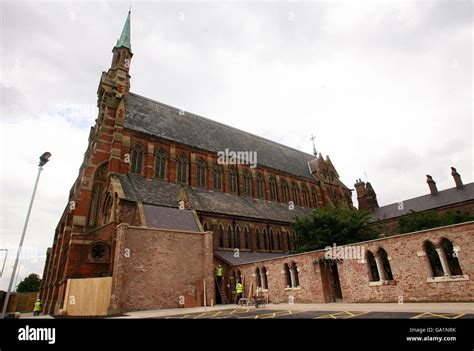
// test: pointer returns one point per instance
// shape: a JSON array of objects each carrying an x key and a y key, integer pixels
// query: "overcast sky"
[{"x": 386, "y": 88}]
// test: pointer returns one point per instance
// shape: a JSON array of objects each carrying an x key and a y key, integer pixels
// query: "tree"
[
  {"x": 415, "y": 221},
  {"x": 30, "y": 284},
  {"x": 328, "y": 226}
]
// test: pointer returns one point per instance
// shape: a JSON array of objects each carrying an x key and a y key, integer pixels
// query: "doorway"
[{"x": 330, "y": 279}]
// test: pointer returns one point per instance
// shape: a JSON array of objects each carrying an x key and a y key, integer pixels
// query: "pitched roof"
[
  {"x": 169, "y": 218},
  {"x": 155, "y": 118},
  {"x": 163, "y": 193},
  {"x": 246, "y": 257},
  {"x": 426, "y": 202}
]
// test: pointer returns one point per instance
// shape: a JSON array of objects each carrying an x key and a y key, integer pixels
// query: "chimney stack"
[
  {"x": 360, "y": 188},
  {"x": 457, "y": 178},
  {"x": 432, "y": 185}
]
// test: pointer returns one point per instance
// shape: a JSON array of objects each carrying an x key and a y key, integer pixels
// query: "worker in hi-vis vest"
[
  {"x": 239, "y": 289},
  {"x": 219, "y": 274},
  {"x": 37, "y": 308}
]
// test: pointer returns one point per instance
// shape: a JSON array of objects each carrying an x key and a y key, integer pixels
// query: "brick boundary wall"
[
  {"x": 154, "y": 267},
  {"x": 412, "y": 277}
]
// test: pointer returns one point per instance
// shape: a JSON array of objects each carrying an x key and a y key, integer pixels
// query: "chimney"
[
  {"x": 432, "y": 185},
  {"x": 360, "y": 188},
  {"x": 457, "y": 178}
]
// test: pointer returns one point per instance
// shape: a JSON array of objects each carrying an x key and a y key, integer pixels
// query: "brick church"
[{"x": 154, "y": 208}]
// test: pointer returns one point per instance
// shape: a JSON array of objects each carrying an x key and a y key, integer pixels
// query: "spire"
[{"x": 124, "y": 40}]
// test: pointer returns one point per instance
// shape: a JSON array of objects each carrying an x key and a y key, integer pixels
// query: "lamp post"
[
  {"x": 4, "y": 260},
  {"x": 44, "y": 158}
]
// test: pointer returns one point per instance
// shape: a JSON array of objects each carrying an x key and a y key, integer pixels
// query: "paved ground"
[
  {"x": 295, "y": 311},
  {"x": 264, "y": 313}
]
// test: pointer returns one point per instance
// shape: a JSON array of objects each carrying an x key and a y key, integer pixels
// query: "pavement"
[
  {"x": 456, "y": 310},
  {"x": 333, "y": 311}
]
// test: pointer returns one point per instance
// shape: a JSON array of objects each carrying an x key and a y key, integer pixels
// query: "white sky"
[{"x": 386, "y": 88}]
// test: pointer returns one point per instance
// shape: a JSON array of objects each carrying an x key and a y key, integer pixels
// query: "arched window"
[
  {"x": 230, "y": 236},
  {"x": 181, "y": 169},
  {"x": 233, "y": 180},
  {"x": 257, "y": 236},
  {"x": 294, "y": 193},
  {"x": 314, "y": 197},
  {"x": 97, "y": 194},
  {"x": 137, "y": 159},
  {"x": 305, "y": 197},
  {"x": 201, "y": 173},
  {"x": 205, "y": 227},
  {"x": 263, "y": 273},
  {"x": 385, "y": 264},
  {"x": 106, "y": 208},
  {"x": 279, "y": 244},
  {"x": 258, "y": 280},
  {"x": 247, "y": 184},
  {"x": 160, "y": 164},
  {"x": 288, "y": 282},
  {"x": 247, "y": 238},
  {"x": 237, "y": 237},
  {"x": 284, "y": 191},
  {"x": 221, "y": 235},
  {"x": 288, "y": 241},
  {"x": 272, "y": 240},
  {"x": 295, "y": 273},
  {"x": 451, "y": 257},
  {"x": 260, "y": 187},
  {"x": 273, "y": 189},
  {"x": 217, "y": 177},
  {"x": 265, "y": 239},
  {"x": 433, "y": 258},
  {"x": 374, "y": 273}
]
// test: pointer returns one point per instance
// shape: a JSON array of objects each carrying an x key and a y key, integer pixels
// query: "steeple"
[{"x": 124, "y": 41}]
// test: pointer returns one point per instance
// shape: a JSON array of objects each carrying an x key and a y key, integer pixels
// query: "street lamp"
[{"x": 44, "y": 158}]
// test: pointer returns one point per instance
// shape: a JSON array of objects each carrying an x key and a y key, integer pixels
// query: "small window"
[
  {"x": 257, "y": 237},
  {"x": 247, "y": 238},
  {"x": 218, "y": 177},
  {"x": 137, "y": 159},
  {"x": 247, "y": 184},
  {"x": 233, "y": 183},
  {"x": 294, "y": 193},
  {"x": 385, "y": 264},
  {"x": 221, "y": 235},
  {"x": 451, "y": 257},
  {"x": 273, "y": 190},
  {"x": 160, "y": 164},
  {"x": 201, "y": 173},
  {"x": 433, "y": 258},
  {"x": 305, "y": 197},
  {"x": 230, "y": 236},
  {"x": 237, "y": 237},
  {"x": 260, "y": 186},
  {"x": 374, "y": 273},
  {"x": 181, "y": 169},
  {"x": 284, "y": 191}
]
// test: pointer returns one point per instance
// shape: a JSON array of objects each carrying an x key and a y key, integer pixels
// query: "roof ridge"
[
  {"x": 429, "y": 195},
  {"x": 221, "y": 124}
]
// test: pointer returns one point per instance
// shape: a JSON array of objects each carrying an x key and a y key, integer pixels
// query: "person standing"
[
  {"x": 219, "y": 275},
  {"x": 37, "y": 308},
  {"x": 239, "y": 288}
]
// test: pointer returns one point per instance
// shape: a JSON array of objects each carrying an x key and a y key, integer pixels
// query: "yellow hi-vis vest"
[
  {"x": 239, "y": 288},
  {"x": 219, "y": 271},
  {"x": 37, "y": 307}
]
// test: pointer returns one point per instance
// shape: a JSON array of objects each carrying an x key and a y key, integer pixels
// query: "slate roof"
[
  {"x": 163, "y": 193},
  {"x": 246, "y": 257},
  {"x": 426, "y": 202},
  {"x": 169, "y": 218},
  {"x": 158, "y": 119}
]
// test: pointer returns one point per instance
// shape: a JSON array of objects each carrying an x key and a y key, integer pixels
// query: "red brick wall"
[
  {"x": 154, "y": 267},
  {"x": 409, "y": 267}
]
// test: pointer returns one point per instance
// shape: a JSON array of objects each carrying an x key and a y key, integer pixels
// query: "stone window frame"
[
  {"x": 442, "y": 258},
  {"x": 160, "y": 163},
  {"x": 105, "y": 258},
  {"x": 379, "y": 263},
  {"x": 137, "y": 157},
  {"x": 201, "y": 173},
  {"x": 181, "y": 169}
]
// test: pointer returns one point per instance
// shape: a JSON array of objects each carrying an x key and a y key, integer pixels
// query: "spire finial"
[
  {"x": 315, "y": 153},
  {"x": 124, "y": 40}
]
